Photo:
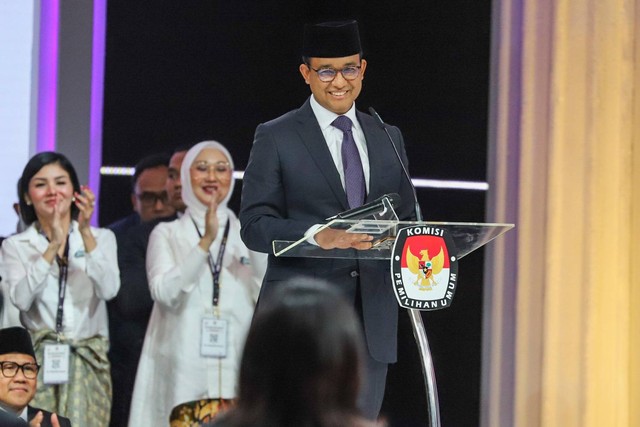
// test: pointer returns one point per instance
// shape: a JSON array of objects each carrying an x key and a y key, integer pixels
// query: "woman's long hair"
[
  {"x": 33, "y": 166},
  {"x": 302, "y": 360}
]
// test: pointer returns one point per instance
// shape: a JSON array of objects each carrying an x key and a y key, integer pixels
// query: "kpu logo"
[{"x": 423, "y": 271}]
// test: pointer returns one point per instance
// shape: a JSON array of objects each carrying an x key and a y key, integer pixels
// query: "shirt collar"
[
  {"x": 24, "y": 414},
  {"x": 326, "y": 117}
]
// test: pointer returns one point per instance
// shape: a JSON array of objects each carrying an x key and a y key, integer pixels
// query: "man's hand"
[
  {"x": 37, "y": 420},
  {"x": 330, "y": 238}
]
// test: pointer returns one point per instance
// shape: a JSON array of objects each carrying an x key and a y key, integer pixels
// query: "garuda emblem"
[
  {"x": 425, "y": 268},
  {"x": 425, "y": 279}
]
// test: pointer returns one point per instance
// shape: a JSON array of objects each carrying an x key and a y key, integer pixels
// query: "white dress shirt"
[
  {"x": 333, "y": 136},
  {"x": 24, "y": 414},
  {"x": 92, "y": 279},
  {"x": 10, "y": 315}
]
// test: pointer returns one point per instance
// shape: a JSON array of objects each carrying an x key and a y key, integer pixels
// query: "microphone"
[
  {"x": 380, "y": 123},
  {"x": 368, "y": 208}
]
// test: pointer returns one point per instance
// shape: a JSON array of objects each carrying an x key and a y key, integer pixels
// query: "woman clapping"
[
  {"x": 205, "y": 283},
  {"x": 60, "y": 271}
]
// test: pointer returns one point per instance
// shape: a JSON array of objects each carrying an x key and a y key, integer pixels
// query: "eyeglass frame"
[
  {"x": 216, "y": 172},
  {"x": 19, "y": 368},
  {"x": 162, "y": 197},
  {"x": 335, "y": 72}
]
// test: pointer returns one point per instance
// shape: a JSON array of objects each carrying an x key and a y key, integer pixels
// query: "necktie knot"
[{"x": 343, "y": 123}]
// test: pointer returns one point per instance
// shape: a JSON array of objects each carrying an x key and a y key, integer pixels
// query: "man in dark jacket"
[
  {"x": 315, "y": 162},
  {"x": 19, "y": 381}
]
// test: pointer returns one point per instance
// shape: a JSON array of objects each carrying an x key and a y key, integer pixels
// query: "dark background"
[{"x": 185, "y": 71}]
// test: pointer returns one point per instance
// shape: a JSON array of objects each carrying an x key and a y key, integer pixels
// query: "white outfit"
[
  {"x": 92, "y": 279},
  {"x": 10, "y": 315},
  {"x": 171, "y": 369}
]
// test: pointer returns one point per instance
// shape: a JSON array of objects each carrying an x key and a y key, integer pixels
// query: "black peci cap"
[
  {"x": 331, "y": 39},
  {"x": 16, "y": 340}
]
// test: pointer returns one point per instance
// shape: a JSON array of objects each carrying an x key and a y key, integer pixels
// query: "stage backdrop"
[{"x": 185, "y": 71}]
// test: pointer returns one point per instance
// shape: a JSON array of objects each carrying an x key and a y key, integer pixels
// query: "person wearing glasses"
[
  {"x": 18, "y": 383},
  {"x": 60, "y": 273},
  {"x": 314, "y": 162},
  {"x": 129, "y": 311},
  {"x": 204, "y": 283},
  {"x": 149, "y": 197}
]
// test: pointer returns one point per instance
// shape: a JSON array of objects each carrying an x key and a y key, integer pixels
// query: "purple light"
[
  {"x": 97, "y": 92},
  {"x": 48, "y": 75}
]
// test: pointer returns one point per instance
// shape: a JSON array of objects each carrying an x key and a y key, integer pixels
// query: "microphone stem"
[{"x": 416, "y": 205}]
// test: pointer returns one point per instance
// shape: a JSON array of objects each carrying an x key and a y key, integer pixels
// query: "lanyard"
[
  {"x": 63, "y": 266},
  {"x": 217, "y": 266}
]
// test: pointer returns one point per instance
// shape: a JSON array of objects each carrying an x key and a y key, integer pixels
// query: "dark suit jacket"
[
  {"x": 123, "y": 224},
  {"x": 292, "y": 183},
  {"x": 10, "y": 420},
  {"x": 46, "y": 421}
]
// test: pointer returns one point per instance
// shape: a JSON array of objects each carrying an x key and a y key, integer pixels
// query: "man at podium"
[{"x": 314, "y": 162}]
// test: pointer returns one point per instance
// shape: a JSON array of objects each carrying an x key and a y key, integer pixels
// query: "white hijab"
[{"x": 195, "y": 208}]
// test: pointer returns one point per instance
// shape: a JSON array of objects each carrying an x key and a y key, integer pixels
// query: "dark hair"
[
  {"x": 302, "y": 361},
  {"x": 148, "y": 162},
  {"x": 183, "y": 147},
  {"x": 33, "y": 166}
]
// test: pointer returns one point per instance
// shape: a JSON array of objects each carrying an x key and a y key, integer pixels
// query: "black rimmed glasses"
[
  {"x": 350, "y": 72},
  {"x": 149, "y": 198},
  {"x": 10, "y": 369}
]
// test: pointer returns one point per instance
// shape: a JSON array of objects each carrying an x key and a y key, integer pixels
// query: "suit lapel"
[
  {"x": 312, "y": 137},
  {"x": 46, "y": 420},
  {"x": 31, "y": 413},
  {"x": 10, "y": 419}
]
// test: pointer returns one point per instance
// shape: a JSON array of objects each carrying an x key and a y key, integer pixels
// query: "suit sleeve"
[
  {"x": 263, "y": 212},
  {"x": 133, "y": 301},
  {"x": 64, "y": 422}
]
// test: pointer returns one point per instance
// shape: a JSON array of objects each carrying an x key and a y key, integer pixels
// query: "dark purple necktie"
[{"x": 353, "y": 174}]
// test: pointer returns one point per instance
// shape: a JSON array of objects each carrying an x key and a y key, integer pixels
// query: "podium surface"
[
  {"x": 464, "y": 236},
  {"x": 467, "y": 237}
]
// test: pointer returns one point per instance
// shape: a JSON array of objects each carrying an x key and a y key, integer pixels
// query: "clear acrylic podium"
[{"x": 384, "y": 226}]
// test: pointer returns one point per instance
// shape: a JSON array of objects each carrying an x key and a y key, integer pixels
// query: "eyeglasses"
[
  {"x": 221, "y": 169},
  {"x": 174, "y": 174},
  {"x": 350, "y": 72},
  {"x": 149, "y": 198},
  {"x": 10, "y": 369}
]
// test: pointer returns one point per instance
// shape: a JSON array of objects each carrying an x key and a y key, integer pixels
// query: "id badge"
[
  {"x": 213, "y": 341},
  {"x": 56, "y": 363}
]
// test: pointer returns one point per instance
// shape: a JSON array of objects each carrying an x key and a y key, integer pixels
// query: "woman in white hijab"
[{"x": 205, "y": 283}]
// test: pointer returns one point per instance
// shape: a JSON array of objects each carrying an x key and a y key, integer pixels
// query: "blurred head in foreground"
[{"x": 302, "y": 361}]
